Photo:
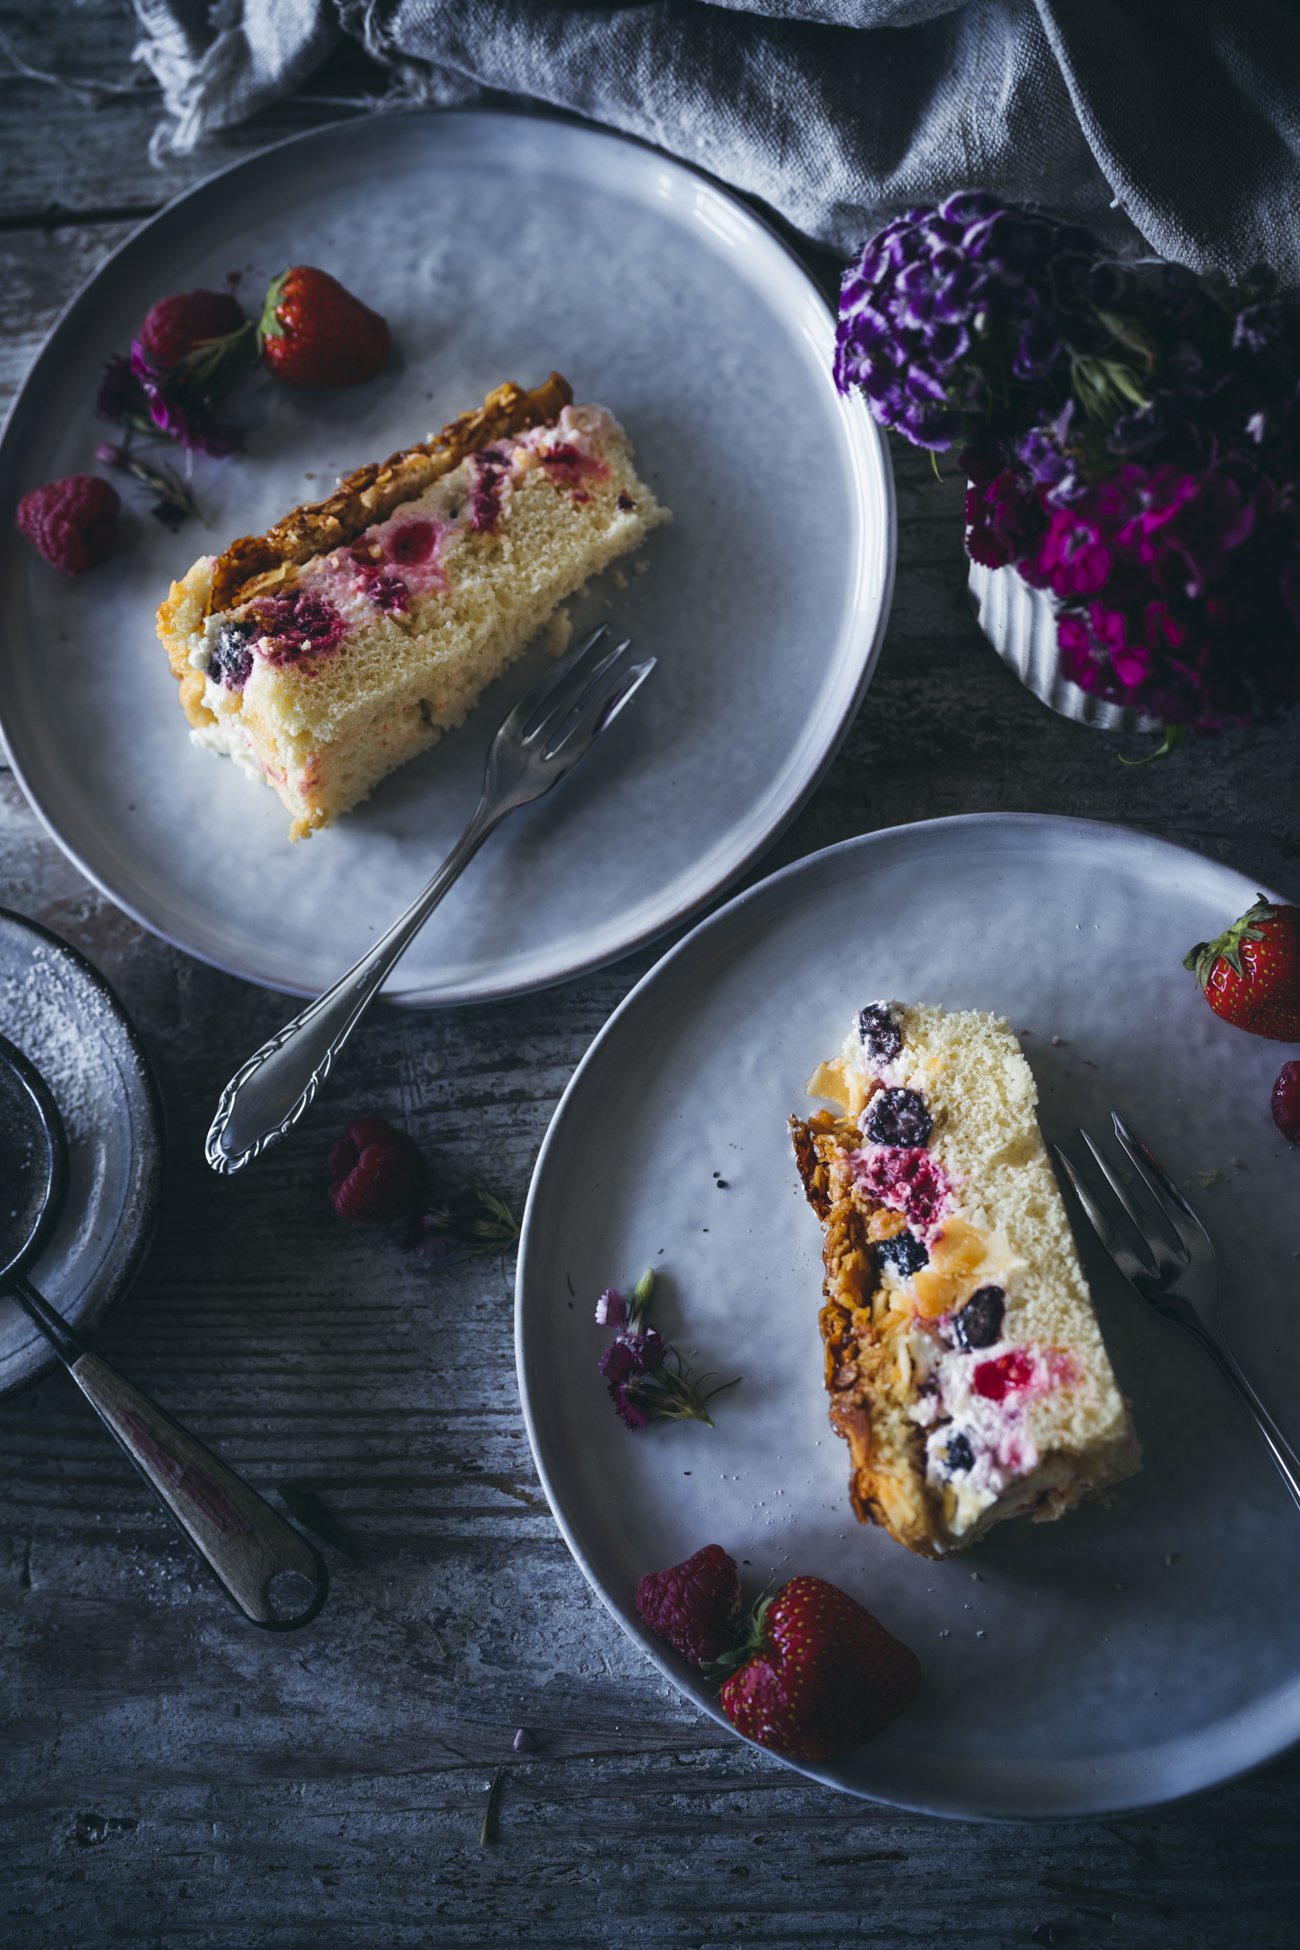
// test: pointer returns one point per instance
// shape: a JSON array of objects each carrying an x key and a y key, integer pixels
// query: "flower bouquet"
[{"x": 1131, "y": 436}]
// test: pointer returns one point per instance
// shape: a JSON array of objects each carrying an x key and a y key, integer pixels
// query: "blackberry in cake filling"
[
  {"x": 880, "y": 1031},
  {"x": 232, "y": 656},
  {"x": 905, "y": 1251},
  {"x": 979, "y": 1323},
  {"x": 898, "y": 1117}
]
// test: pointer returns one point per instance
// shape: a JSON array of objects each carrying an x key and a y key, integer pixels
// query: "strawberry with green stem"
[
  {"x": 313, "y": 332},
  {"x": 815, "y": 1675},
  {"x": 1251, "y": 972}
]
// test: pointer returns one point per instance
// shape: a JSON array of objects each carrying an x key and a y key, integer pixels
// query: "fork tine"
[
  {"x": 1160, "y": 1250},
  {"x": 1118, "y": 1247},
  {"x": 571, "y": 697},
  {"x": 1115, "y": 1182},
  {"x": 604, "y": 708},
  {"x": 550, "y": 681},
  {"x": 1157, "y": 1181}
]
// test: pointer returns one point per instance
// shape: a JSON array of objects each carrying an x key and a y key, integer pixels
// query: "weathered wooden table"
[{"x": 171, "y": 1776}]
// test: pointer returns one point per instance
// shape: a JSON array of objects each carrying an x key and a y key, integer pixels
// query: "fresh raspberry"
[
  {"x": 174, "y": 326},
  {"x": 695, "y": 1605},
  {"x": 376, "y": 1172},
  {"x": 1286, "y": 1102},
  {"x": 73, "y": 522}
]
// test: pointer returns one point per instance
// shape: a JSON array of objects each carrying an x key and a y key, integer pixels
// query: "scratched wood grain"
[{"x": 171, "y": 1777}]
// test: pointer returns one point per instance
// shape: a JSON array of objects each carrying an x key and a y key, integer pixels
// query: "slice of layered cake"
[
  {"x": 351, "y": 635},
  {"x": 964, "y": 1361}
]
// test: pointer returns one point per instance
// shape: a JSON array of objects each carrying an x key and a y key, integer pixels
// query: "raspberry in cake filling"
[{"x": 963, "y": 1359}]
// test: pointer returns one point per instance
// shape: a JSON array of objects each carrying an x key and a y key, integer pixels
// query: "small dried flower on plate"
[{"x": 648, "y": 1380}]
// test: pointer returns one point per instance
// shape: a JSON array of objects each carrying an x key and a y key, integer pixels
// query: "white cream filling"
[{"x": 227, "y": 739}]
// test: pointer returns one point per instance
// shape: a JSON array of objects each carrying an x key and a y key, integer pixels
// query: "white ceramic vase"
[{"x": 1020, "y": 623}]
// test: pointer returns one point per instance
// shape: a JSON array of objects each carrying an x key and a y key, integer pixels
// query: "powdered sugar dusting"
[{"x": 43, "y": 1013}]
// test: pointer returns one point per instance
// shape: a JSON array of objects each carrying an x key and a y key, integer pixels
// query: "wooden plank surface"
[{"x": 171, "y": 1777}]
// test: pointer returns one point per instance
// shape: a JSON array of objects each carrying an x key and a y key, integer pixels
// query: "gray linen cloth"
[{"x": 1171, "y": 122}]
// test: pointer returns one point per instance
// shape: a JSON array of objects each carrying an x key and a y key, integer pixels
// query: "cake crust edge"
[{"x": 255, "y": 565}]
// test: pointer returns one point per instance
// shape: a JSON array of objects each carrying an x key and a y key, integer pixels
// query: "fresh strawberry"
[
  {"x": 376, "y": 1171},
  {"x": 822, "y": 1674},
  {"x": 73, "y": 522},
  {"x": 175, "y": 327},
  {"x": 695, "y": 1605},
  {"x": 1286, "y": 1102},
  {"x": 314, "y": 333},
  {"x": 1251, "y": 974}
]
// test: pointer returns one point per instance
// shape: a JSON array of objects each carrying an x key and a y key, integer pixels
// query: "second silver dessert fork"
[
  {"x": 1181, "y": 1282},
  {"x": 553, "y": 725}
]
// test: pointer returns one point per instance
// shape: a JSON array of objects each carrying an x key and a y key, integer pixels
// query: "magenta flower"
[
  {"x": 180, "y": 411},
  {"x": 1190, "y": 528},
  {"x": 632, "y": 1412},
  {"x": 631, "y": 1355},
  {"x": 1128, "y": 659},
  {"x": 1074, "y": 559},
  {"x": 624, "y": 1363}
]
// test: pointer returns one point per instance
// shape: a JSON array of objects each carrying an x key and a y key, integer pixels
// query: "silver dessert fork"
[
  {"x": 553, "y": 726},
  {"x": 1182, "y": 1281}
]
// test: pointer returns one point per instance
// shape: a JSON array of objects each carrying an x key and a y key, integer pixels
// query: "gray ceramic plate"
[
  {"x": 498, "y": 247},
  {"x": 1118, "y": 1658},
  {"x": 63, "y": 1016}
]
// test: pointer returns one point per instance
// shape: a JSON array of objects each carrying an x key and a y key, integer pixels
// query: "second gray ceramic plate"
[
  {"x": 497, "y": 247},
  {"x": 1120, "y": 1657}
]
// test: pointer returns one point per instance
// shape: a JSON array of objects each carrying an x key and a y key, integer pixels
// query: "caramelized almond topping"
[{"x": 255, "y": 564}]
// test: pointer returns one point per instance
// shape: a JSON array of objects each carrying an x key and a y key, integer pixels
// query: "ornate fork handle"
[
  {"x": 540, "y": 741},
  {"x": 272, "y": 1090}
]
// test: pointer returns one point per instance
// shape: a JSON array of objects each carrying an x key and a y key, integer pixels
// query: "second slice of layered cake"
[{"x": 964, "y": 1362}]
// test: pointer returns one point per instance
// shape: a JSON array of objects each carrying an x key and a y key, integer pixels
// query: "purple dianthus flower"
[{"x": 178, "y": 411}]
